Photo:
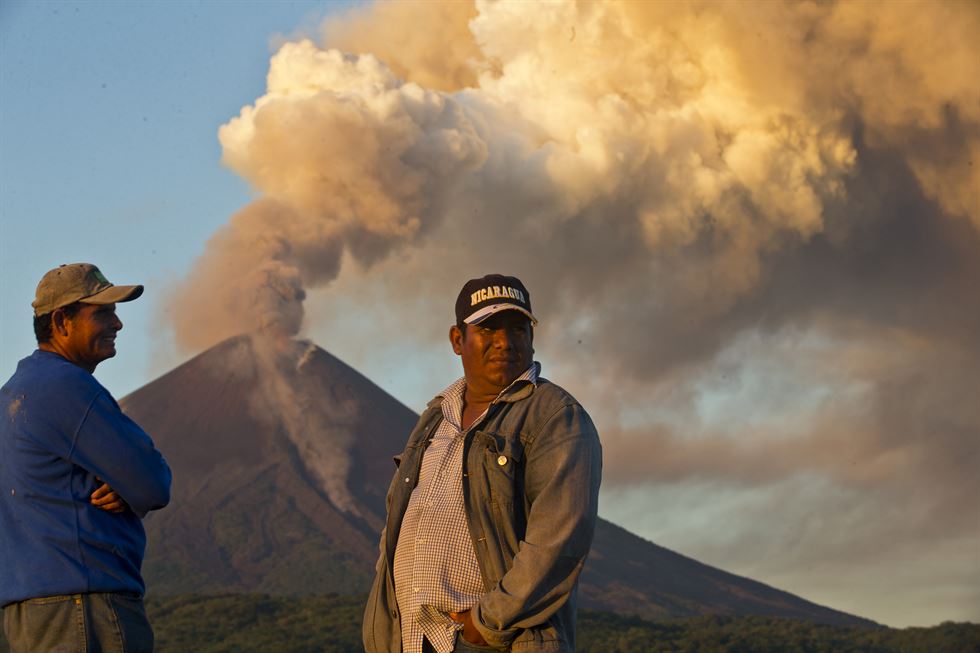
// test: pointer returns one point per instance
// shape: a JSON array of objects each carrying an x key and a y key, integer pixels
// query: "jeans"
[{"x": 78, "y": 623}]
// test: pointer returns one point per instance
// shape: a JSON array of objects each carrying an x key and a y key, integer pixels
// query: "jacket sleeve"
[
  {"x": 113, "y": 447},
  {"x": 563, "y": 466}
]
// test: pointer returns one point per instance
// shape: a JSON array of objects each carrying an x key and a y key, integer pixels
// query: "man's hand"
[
  {"x": 107, "y": 499},
  {"x": 470, "y": 633}
]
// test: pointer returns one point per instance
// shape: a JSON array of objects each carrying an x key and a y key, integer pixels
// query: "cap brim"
[
  {"x": 493, "y": 309},
  {"x": 113, "y": 295}
]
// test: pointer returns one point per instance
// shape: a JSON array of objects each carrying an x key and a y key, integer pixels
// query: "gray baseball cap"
[{"x": 79, "y": 282}]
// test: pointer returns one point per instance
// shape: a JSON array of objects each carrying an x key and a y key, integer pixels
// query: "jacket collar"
[{"x": 520, "y": 388}]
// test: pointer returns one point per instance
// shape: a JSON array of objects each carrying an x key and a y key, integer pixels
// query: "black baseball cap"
[{"x": 480, "y": 298}]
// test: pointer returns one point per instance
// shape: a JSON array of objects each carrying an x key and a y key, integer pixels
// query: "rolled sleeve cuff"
[{"x": 496, "y": 638}]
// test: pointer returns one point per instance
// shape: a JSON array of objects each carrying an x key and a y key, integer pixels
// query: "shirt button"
[
  {"x": 394, "y": 614},
  {"x": 407, "y": 479},
  {"x": 502, "y": 461}
]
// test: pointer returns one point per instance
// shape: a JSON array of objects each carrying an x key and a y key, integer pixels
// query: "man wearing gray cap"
[
  {"x": 493, "y": 506},
  {"x": 76, "y": 478}
]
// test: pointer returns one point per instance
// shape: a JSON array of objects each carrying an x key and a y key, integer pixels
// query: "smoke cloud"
[
  {"x": 348, "y": 158},
  {"x": 751, "y": 232}
]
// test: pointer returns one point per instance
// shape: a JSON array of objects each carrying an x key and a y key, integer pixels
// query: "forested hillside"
[{"x": 331, "y": 624}]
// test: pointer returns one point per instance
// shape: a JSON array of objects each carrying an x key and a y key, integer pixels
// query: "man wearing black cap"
[
  {"x": 493, "y": 506},
  {"x": 76, "y": 478}
]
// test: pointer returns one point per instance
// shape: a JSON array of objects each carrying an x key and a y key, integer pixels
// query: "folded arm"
[
  {"x": 122, "y": 455},
  {"x": 562, "y": 473}
]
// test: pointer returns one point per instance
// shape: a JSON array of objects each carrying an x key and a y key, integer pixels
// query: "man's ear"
[
  {"x": 59, "y": 322},
  {"x": 456, "y": 339}
]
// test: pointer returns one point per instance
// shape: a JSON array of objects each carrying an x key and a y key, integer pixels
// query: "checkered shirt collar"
[{"x": 452, "y": 396}]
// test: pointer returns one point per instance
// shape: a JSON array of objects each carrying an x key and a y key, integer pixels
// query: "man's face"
[
  {"x": 494, "y": 352},
  {"x": 89, "y": 336}
]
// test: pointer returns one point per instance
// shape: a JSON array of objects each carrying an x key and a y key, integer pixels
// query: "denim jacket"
[{"x": 531, "y": 473}]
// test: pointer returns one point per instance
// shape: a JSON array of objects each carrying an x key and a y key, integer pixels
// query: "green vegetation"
[
  {"x": 331, "y": 623},
  {"x": 608, "y": 633},
  {"x": 250, "y": 622}
]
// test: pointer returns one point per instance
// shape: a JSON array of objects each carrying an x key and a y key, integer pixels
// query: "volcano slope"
[{"x": 282, "y": 456}]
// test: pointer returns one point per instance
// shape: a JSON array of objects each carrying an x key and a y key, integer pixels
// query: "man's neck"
[
  {"x": 477, "y": 399},
  {"x": 473, "y": 406},
  {"x": 53, "y": 348},
  {"x": 480, "y": 397}
]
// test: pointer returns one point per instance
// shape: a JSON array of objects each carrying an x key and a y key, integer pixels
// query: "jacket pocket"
[
  {"x": 503, "y": 460},
  {"x": 503, "y": 464}
]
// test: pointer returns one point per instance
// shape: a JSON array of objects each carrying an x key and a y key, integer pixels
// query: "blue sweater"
[{"x": 59, "y": 430}]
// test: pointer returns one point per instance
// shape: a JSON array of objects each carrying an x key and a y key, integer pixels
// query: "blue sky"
[{"x": 108, "y": 146}]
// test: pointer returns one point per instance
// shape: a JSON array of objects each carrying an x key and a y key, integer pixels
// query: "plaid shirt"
[{"x": 436, "y": 569}]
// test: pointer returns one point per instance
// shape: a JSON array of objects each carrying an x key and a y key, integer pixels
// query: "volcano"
[{"x": 282, "y": 455}]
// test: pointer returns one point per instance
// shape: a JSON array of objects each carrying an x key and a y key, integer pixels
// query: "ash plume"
[
  {"x": 714, "y": 204},
  {"x": 348, "y": 158},
  {"x": 307, "y": 414}
]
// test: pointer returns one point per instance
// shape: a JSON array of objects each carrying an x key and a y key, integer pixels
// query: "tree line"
[{"x": 237, "y": 623}]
